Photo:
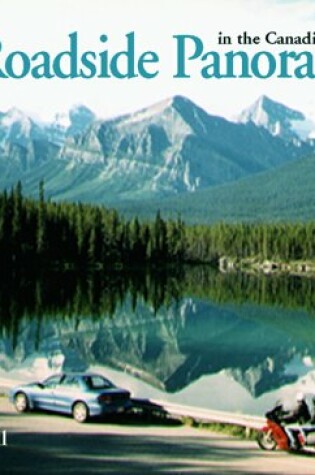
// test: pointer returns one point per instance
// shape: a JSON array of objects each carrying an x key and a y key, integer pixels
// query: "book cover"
[{"x": 156, "y": 233}]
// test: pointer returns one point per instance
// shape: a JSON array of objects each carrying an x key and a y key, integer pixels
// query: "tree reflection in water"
[{"x": 174, "y": 325}]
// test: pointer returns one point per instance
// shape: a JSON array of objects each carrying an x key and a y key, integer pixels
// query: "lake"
[{"x": 234, "y": 342}]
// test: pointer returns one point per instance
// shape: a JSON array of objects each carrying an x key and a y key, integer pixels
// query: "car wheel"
[
  {"x": 21, "y": 402},
  {"x": 80, "y": 412}
]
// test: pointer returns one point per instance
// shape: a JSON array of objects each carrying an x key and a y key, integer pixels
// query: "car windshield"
[
  {"x": 97, "y": 382},
  {"x": 52, "y": 381}
]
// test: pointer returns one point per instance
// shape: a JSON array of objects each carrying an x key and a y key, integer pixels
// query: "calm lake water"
[{"x": 223, "y": 341}]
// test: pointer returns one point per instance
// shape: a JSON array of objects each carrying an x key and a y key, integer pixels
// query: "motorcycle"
[{"x": 276, "y": 435}]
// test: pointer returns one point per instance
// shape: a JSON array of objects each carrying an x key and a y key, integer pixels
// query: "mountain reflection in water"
[{"x": 185, "y": 334}]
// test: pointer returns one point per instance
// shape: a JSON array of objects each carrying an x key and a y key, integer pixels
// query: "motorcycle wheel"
[{"x": 266, "y": 441}]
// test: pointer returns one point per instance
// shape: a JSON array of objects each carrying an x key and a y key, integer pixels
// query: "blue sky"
[{"x": 33, "y": 25}]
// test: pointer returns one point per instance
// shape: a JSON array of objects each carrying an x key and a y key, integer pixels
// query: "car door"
[
  {"x": 68, "y": 391},
  {"x": 45, "y": 396}
]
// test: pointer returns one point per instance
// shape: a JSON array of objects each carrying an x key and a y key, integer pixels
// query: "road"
[{"x": 53, "y": 444}]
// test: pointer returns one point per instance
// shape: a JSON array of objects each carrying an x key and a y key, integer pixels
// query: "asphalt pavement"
[{"x": 40, "y": 443}]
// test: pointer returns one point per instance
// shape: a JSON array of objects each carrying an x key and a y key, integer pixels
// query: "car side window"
[
  {"x": 70, "y": 382},
  {"x": 52, "y": 382}
]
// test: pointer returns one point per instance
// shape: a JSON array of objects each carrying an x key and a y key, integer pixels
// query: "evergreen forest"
[{"x": 76, "y": 235}]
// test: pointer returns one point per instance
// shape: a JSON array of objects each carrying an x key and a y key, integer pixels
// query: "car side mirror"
[{"x": 41, "y": 385}]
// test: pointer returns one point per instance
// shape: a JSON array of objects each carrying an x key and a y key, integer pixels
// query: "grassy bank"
[{"x": 229, "y": 429}]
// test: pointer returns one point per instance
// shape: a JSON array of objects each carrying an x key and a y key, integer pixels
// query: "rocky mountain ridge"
[
  {"x": 279, "y": 120},
  {"x": 169, "y": 148}
]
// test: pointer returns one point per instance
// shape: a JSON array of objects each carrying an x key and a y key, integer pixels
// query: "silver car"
[{"x": 83, "y": 395}]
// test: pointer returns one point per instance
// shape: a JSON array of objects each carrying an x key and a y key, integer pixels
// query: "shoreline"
[{"x": 299, "y": 268}]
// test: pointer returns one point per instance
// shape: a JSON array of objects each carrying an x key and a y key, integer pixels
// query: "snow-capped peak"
[
  {"x": 149, "y": 112},
  {"x": 279, "y": 119},
  {"x": 62, "y": 119},
  {"x": 12, "y": 116}
]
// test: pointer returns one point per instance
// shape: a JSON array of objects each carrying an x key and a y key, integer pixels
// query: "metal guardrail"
[{"x": 207, "y": 415}]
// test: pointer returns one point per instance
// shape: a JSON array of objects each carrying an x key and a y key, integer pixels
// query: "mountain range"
[{"x": 173, "y": 155}]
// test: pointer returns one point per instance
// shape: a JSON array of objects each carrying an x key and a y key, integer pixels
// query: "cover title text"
[{"x": 193, "y": 58}]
